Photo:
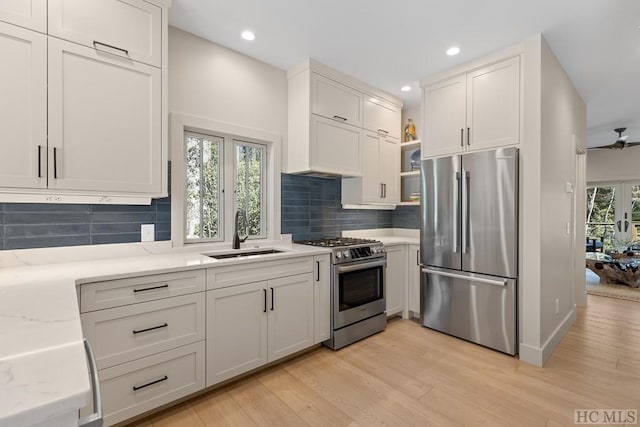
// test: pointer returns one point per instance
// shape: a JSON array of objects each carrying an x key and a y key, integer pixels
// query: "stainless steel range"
[{"x": 357, "y": 289}]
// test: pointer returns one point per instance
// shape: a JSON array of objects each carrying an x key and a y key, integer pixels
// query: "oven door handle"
[{"x": 360, "y": 266}]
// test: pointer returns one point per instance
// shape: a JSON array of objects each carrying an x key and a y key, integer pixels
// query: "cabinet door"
[
  {"x": 335, "y": 147},
  {"x": 23, "y": 108},
  {"x": 335, "y": 101},
  {"x": 445, "y": 117},
  {"x": 131, "y": 28},
  {"x": 372, "y": 189},
  {"x": 413, "y": 272},
  {"x": 395, "y": 279},
  {"x": 30, "y": 14},
  {"x": 493, "y": 114},
  {"x": 290, "y": 315},
  {"x": 380, "y": 116},
  {"x": 322, "y": 299},
  {"x": 105, "y": 129},
  {"x": 236, "y": 330},
  {"x": 390, "y": 169}
]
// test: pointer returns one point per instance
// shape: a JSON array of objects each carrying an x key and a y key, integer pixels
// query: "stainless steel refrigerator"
[{"x": 468, "y": 247}]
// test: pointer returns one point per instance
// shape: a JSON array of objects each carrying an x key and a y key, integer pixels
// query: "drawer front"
[
  {"x": 221, "y": 277},
  {"x": 115, "y": 293},
  {"x": 158, "y": 379},
  {"x": 129, "y": 28},
  {"x": 122, "y": 334}
]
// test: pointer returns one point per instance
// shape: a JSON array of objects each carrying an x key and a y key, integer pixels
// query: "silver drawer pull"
[
  {"x": 139, "y": 331},
  {"x": 138, "y": 387},
  {"x": 151, "y": 288},
  {"x": 96, "y": 43}
]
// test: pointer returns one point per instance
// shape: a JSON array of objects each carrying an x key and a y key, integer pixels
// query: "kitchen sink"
[{"x": 244, "y": 254}]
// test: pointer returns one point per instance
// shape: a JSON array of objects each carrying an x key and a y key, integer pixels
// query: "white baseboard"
[{"x": 539, "y": 356}]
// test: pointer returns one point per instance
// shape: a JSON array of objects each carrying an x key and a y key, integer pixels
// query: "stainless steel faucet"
[{"x": 236, "y": 239}]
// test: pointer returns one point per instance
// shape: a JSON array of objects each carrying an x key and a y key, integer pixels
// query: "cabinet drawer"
[
  {"x": 336, "y": 101},
  {"x": 222, "y": 277},
  {"x": 130, "y": 28},
  {"x": 170, "y": 375},
  {"x": 115, "y": 293},
  {"x": 126, "y": 333}
]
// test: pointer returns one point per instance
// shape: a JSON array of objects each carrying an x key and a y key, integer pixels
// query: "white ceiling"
[{"x": 393, "y": 43}]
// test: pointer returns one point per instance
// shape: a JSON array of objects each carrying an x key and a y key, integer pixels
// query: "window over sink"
[{"x": 218, "y": 170}]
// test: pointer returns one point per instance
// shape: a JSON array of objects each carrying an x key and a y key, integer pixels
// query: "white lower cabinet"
[
  {"x": 413, "y": 280},
  {"x": 251, "y": 324},
  {"x": 322, "y": 299},
  {"x": 135, "y": 387},
  {"x": 396, "y": 278}
]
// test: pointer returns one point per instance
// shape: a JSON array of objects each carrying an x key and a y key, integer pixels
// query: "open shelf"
[{"x": 411, "y": 144}]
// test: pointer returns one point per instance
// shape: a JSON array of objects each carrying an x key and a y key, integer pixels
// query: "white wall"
[
  {"x": 554, "y": 123},
  {"x": 219, "y": 84},
  {"x": 563, "y": 123},
  {"x": 613, "y": 165}
]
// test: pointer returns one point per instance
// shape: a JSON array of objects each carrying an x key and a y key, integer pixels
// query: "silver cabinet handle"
[
  {"x": 344, "y": 119},
  {"x": 468, "y": 136},
  {"x": 95, "y": 419},
  {"x": 462, "y": 137},
  {"x": 499, "y": 282},
  {"x": 96, "y": 43}
]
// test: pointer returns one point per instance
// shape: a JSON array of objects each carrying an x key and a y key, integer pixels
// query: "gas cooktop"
[{"x": 338, "y": 242}]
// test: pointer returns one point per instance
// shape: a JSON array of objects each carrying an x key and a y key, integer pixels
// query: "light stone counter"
[
  {"x": 388, "y": 236},
  {"x": 43, "y": 370}
]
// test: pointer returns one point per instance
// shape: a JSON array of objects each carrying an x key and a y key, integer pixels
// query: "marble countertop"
[
  {"x": 43, "y": 370},
  {"x": 388, "y": 236}
]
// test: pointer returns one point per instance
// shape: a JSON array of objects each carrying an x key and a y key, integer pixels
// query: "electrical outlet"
[
  {"x": 557, "y": 306},
  {"x": 147, "y": 232}
]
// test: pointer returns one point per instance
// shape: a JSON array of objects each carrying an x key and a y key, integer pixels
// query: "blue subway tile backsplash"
[{"x": 311, "y": 209}]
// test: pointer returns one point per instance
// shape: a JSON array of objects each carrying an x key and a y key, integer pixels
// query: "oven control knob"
[
  {"x": 375, "y": 250},
  {"x": 346, "y": 254},
  {"x": 338, "y": 254}
]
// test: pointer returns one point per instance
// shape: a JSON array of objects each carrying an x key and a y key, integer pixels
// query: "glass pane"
[
  {"x": 601, "y": 214},
  {"x": 635, "y": 213},
  {"x": 202, "y": 203},
  {"x": 249, "y": 185}
]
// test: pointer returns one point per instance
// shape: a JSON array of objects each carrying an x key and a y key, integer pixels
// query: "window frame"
[
  {"x": 181, "y": 123},
  {"x": 263, "y": 179}
]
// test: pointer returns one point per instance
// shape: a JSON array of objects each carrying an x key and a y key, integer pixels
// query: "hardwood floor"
[{"x": 412, "y": 376}]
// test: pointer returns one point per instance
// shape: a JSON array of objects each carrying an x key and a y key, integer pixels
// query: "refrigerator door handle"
[
  {"x": 468, "y": 211},
  {"x": 456, "y": 211},
  {"x": 494, "y": 282},
  {"x": 465, "y": 212}
]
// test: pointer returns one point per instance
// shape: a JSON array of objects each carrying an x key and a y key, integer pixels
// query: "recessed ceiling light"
[
  {"x": 454, "y": 50},
  {"x": 248, "y": 35},
  {"x": 405, "y": 88}
]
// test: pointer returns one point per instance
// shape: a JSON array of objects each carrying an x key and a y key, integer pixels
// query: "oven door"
[{"x": 358, "y": 291}]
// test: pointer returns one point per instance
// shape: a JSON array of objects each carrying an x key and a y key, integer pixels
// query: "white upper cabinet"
[
  {"x": 31, "y": 14},
  {"x": 335, "y": 147},
  {"x": 383, "y": 117},
  {"x": 336, "y": 101},
  {"x": 380, "y": 181},
  {"x": 473, "y": 111},
  {"x": 129, "y": 28},
  {"x": 23, "y": 108},
  {"x": 493, "y": 105},
  {"x": 327, "y": 117},
  {"x": 104, "y": 121}
]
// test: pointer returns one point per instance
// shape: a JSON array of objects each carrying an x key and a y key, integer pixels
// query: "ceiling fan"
[{"x": 620, "y": 143}]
